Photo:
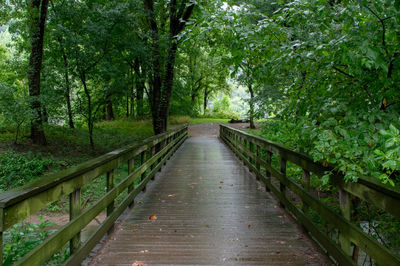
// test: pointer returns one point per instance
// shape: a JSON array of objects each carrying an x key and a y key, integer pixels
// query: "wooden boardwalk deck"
[{"x": 210, "y": 210}]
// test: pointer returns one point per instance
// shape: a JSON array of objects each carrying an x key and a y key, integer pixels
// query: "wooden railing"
[
  {"x": 16, "y": 205},
  {"x": 256, "y": 153}
]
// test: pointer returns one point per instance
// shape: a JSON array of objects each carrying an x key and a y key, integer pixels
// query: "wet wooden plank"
[{"x": 210, "y": 210}]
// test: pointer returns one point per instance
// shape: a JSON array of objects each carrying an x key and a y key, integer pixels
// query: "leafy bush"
[
  {"x": 24, "y": 237},
  {"x": 19, "y": 169}
]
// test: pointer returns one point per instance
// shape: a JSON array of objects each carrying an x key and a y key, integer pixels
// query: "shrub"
[{"x": 19, "y": 169}]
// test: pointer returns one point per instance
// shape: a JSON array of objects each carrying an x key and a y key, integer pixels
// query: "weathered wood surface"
[{"x": 210, "y": 210}]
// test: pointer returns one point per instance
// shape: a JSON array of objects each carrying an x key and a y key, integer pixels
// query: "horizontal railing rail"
[
  {"x": 257, "y": 152},
  {"x": 17, "y": 204}
]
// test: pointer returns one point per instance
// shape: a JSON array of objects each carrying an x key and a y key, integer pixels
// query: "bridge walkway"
[{"x": 206, "y": 208}]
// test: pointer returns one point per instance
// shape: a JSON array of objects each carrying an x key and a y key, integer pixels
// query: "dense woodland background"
[{"x": 79, "y": 78}]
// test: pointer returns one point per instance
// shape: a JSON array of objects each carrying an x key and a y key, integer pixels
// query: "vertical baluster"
[
  {"x": 131, "y": 187},
  {"x": 245, "y": 148},
  {"x": 267, "y": 172},
  {"x": 251, "y": 149},
  {"x": 258, "y": 166},
  {"x": 282, "y": 187},
  {"x": 142, "y": 160},
  {"x": 306, "y": 186},
  {"x": 1, "y": 234},
  {"x": 75, "y": 210},
  {"x": 345, "y": 207},
  {"x": 110, "y": 185},
  {"x": 152, "y": 153}
]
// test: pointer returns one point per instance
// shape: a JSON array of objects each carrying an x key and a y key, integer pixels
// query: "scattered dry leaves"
[
  {"x": 153, "y": 217},
  {"x": 249, "y": 226},
  {"x": 134, "y": 230}
]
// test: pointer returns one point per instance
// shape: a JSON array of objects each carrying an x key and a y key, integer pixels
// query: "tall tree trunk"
[
  {"x": 110, "y": 111},
  {"x": 132, "y": 106},
  {"x": 89, "y": 114},
  {"x": 67, "y": 93},
  {"x": 37, "y": 24},
  {"x": 139, "y": 83},
  {"x": 205, "y": 102},
  {"x": 162, "y": 87},
  {"x": 127, "y": 106},
  {"x": 252, "y": 126}
]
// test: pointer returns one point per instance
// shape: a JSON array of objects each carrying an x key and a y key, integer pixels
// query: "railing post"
[
  {"x": 267, "y": 172},
  {"x": 131, "y": 187},
  {"x": 152, "y": 152},
  {"x": 345, "y": 207},
  {"x": 306, "y": 186},
  {"x": 1, "y": 234},
  {"x": 110, "y": 185},
  {"x": 251, "y": 149},
  {"x": 282, "y": 187},
  {"x": 74, "y": 210},
  {"x": 142, "y": 160},
  {"x": 258, "y": 166}
]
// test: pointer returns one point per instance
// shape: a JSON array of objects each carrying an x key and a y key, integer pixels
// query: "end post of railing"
[
  {"x": 1, "y": 234},
  {"x": 74, "y": 211},
  {"x": 345, "y": 208},
  {"x": 282, "y": 187},
  {"x": 110, "y": 185},
  {"x": 267, "y": 171},
  {"x": 131, "y": 187}
]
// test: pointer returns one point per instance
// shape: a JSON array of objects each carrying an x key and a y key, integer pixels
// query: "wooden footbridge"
[{"x": 204, "y": 207}]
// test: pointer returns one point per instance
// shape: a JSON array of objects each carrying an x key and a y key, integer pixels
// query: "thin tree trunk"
[
  {"x": 127, "y": 106},
  {"x": 110, "y": 110},
  {"x": 37, "y": 24},
  {"x": 139, "y": 82},
  {"x": 67, "y": 87},
  {"x": 252, "y": 126},
  {"x": 205, "y": 102},
  {"x": 89, "y": 115}
]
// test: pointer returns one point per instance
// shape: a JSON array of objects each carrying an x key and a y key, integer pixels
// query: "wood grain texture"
[{"x": 210, "y": 211}]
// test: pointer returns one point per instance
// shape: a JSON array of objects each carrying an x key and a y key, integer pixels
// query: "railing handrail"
[
  {"x": 16, "y": 195},
  {"x": 249, "y": 149},
  {"x": 152, "y": 154},
  {"x": 318, "y": 168}
]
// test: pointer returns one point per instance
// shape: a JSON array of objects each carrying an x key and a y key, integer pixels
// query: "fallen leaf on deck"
[
  {"x": 280, "y": 216},
  {"x": 221, "y": 182},
  {"x": 232, "y": 239},
  {"x": 249, "y": 226},
  {"x": 171, "y": 196},
  {"x": 246, "y": 207},
  {"x": 144, "y": 251},
  {"x": 134, "y": 230},
  {"x": 138, "y": 263},
  {"x": 153, "y": 217}
]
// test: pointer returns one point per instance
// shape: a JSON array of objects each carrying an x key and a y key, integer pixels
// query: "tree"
[
  {"x": 162, "y": 78},
  {"x": 37, "y": 11}
]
